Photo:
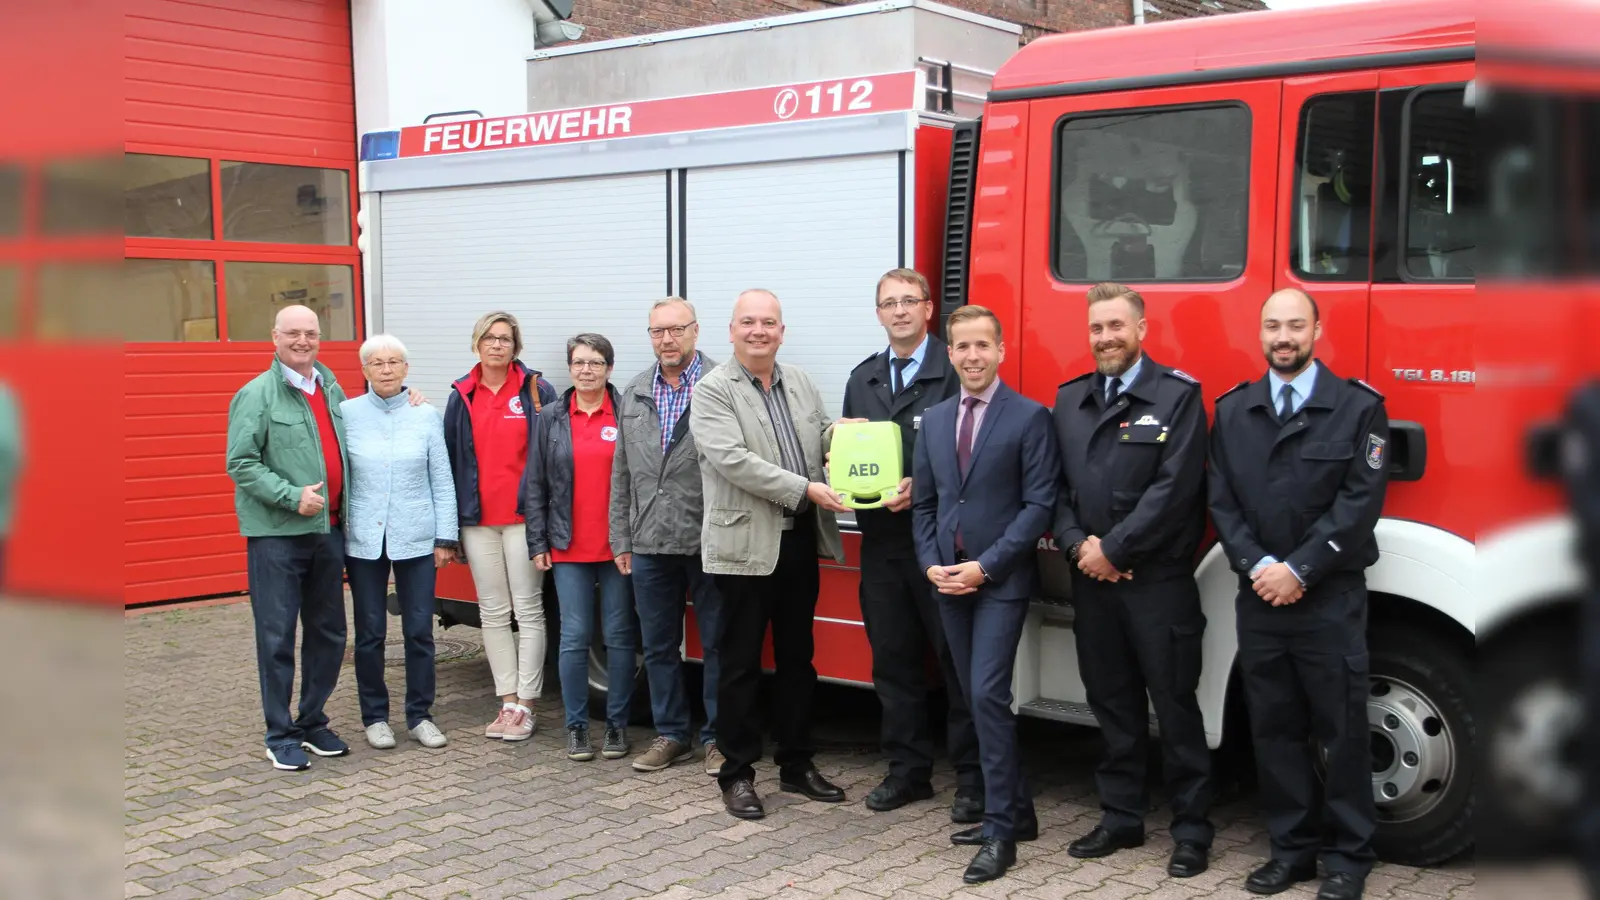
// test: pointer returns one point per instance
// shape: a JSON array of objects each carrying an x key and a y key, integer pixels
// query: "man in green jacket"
[{"x": 286, "y": 457}]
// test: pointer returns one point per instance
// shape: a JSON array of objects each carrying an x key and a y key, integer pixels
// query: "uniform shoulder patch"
[
  {"x": 1367, "y": 387},
  {"x": 1075, "y": 380},
  {"x": 1230, "y": 391},
  {"x": 1183, "y": 376}
]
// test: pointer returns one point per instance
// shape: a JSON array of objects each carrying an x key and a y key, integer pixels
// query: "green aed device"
[{"x": 865, "y": 463}]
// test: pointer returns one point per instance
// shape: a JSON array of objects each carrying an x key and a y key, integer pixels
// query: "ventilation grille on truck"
[{"x": 958, "y": 215}]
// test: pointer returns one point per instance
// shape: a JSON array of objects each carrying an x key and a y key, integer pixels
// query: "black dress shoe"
[
  {"x": 741, "y": 800},
  {"x": 1188, "y": 860},
  {"x": 967, "y": 808},
  {"x": 1027, "y": 830},
  {"x": 814, "y": 786},
  {"x": 997, "y": 855},
  {"x": 894, "y": 793},
  {"x": 1277, "y": 876},
  {"x": 1342, "y": 886},
  {"x": 1100, "y": 842}
]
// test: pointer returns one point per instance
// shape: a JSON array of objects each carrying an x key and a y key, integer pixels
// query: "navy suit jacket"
[{"x": 1006, "y": 502}]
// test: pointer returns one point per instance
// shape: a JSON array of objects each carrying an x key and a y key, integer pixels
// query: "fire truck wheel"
[
  {"x": 1533, "y": 717},
  {"x": 1423, "y": 731}
]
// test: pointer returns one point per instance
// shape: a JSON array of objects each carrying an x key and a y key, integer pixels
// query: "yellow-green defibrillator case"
[{"x": 865, "y": 465}]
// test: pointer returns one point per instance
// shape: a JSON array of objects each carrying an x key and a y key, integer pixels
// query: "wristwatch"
[{"x": 1072, "y": 552}]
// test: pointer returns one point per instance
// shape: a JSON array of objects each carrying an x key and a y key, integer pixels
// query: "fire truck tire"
[
  {"x": 1423, "y": 732},
  {"x": 1533, "y": 714}
]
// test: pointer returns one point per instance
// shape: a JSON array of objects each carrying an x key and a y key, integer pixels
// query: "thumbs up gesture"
[{"x": 311, "y": 502}]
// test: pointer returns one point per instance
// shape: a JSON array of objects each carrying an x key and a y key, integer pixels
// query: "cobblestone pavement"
[{"x": 206, "y": 816}]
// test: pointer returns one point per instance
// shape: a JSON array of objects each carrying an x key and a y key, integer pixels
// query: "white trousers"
[{"x": 507, "y": 584}]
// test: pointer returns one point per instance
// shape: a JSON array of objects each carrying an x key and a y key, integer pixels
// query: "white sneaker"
[
  {"x": 429, "y": 735},
  {"x": 380, "y": 735}
]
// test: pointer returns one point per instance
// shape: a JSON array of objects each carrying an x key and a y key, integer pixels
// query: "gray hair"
[
  {"x": 668, "y": 301},
  {"x": 381, "y": 342}
]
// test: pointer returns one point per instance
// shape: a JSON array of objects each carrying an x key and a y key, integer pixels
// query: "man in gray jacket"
[
  {"x": 655, "y": 531},
  {"x": 769, "y": 515}
]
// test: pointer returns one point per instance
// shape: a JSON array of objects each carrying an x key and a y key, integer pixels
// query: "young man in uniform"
[
  {"x": 897, "y": 603},
  {"x": 1130, "y": 518},
  {"x": 1299, "y": 469}
]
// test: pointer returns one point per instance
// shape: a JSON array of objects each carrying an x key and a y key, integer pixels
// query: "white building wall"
[{"x": 416, "y": 57}]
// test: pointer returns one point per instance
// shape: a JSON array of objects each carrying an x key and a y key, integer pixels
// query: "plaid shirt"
[{"x": 672, "y": 401}]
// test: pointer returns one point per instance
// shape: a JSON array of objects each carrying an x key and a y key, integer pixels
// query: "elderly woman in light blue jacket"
[{"x": 402, "y": 516}]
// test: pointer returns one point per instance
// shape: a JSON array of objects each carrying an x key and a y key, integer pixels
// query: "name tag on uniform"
[{"x": 916, "y": 423}]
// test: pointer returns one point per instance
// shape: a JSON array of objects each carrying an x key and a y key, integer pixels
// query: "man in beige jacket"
[{"x": 769, "y": 515}]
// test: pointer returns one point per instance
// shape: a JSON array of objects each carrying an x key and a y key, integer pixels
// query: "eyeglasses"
[
  {"x": 382, "y": 364},
  {"x": 495, "y": 340},
  {"x": 902, "y": 303},
  {"x": 300, "y": 335},
  {"x": 587, "y": 364},
  {"x": 675, "y": 330}
]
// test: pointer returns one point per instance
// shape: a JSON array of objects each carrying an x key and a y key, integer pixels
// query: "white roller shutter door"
[
  {"x": 564, "y": 257},
  {"x": 818, "y": 233}
]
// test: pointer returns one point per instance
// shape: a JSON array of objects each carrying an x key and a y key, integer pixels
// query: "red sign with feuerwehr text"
[{"x": 830, "y": 99}]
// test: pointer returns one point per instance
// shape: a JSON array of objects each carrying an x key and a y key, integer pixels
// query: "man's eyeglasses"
[
  {"x": 300, "y": 335},
  {"x": 902, "y": 303},
  {"x": 495, "y": 340},
  {"x": 674, "y": 330},
  {"x": 587, "y": 364}
]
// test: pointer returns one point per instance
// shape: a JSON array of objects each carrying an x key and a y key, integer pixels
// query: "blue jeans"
[
  {"x": 369, "y": 589},
  {"x": 575, "y": 589},
  {"x": 297, "y": 578},
  {"x": 660, "y": 583}
]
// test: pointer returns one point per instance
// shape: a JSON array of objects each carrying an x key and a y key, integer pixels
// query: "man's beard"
[
  {"x": 1295, "y": 364},
  {"x": 1113, "y": 362}
]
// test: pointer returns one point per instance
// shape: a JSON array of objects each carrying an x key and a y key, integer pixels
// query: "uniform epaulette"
[
  {"x": 1230, "y": 390},
  {"x": 1074, "y": 380},
  {"x": 869, "y": 359},
  {"x": 1362, "y": 384},
  {"x": 1183, "y": 376}
]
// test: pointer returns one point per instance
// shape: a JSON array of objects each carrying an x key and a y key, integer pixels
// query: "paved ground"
[{"x": 206, "y": 816}]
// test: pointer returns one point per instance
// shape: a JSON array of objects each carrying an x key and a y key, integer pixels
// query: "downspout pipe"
[{"x": 1138, "y": 12}]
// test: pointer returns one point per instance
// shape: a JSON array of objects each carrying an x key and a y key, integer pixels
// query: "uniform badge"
[
  {"x": 916, "y": 423},
  {"x": 515, "y": 405},
  {"x": 608, "y": 433},
  {"x": 1147, "y": 420},
  {"x": 1375, "y": 451}
]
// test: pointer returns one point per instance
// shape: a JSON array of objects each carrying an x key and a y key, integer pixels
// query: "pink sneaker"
[
  {"x": 497, "y": 728},
  {"x": 520, "y": 726}
]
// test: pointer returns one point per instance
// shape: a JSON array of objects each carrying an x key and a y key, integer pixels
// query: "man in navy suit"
[{"x": 985, "y": 470}]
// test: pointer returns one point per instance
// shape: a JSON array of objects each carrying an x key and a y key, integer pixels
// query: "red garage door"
[{"x": 240, "y": 187}]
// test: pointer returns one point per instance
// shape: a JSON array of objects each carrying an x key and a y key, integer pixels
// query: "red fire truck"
[{"x": 1207, "y": 162}]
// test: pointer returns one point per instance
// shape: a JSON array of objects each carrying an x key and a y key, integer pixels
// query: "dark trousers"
[
  {"x": 787, "y": 599},
  {"x": 369, "y": 589},
  {"x": 983, "y": 633},
  {"x": 1139, "y": 645},
  {"x": 902, "y": 620},
  {"x": 661, "y": 582},
  {"x": 1589, "y": 811},
  {"x": 300, "y": 579},
  {"x": 1305, "y": 677}
]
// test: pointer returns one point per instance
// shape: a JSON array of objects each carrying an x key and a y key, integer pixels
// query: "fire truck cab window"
[
  {"x": 1330, "y": 238},
  {"x": 1160, "y": 195},
  {"x": 1441, "y": 198}
]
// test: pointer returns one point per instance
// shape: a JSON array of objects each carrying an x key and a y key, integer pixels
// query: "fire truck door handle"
[{"x": 1408, "y": 450}]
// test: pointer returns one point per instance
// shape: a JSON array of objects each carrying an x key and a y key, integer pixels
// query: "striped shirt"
[
  {"x": 794, "y": 459},
  {"x": 672, "y": 401}
]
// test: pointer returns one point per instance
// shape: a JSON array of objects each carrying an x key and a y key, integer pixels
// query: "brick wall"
[{"x": 605, "y": 19}]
